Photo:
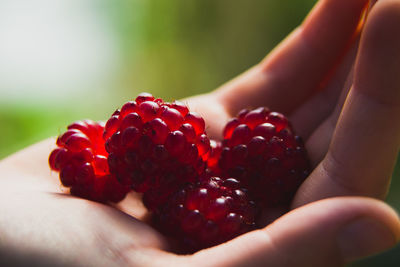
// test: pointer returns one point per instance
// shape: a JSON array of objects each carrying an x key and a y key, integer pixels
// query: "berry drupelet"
[{"x": 82, "y": 162}]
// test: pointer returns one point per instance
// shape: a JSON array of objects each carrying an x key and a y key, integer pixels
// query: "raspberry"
[
  {"x": 82, "y": 162},
  {"x": 155, "y": 147},
  {"x": 207, "y": 213},
  {"x": 261, "y": 150},
  {"x": 189, "y": 183}
]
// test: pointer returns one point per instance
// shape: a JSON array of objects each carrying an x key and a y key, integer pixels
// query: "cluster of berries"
[{"x": 200, "y": 192}]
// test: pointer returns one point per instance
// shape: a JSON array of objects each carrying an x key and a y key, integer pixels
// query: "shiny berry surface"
[
  {"x": 207, "y": 213},
  {"x": 261, "y": 150},
  {"x": 214, "y": 157},
  {"x": 201, "y": 192},
  {"x": 81, "y": 160},
  {"x": 155, "y": 147}
]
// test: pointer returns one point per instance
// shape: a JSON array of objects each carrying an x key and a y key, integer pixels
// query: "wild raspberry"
[
  {"x": 261, "y": 150},
  {"x": 207, "y": 213},
  {"x": 155, "y": 147},
  {"x": 82, "y": 162}
]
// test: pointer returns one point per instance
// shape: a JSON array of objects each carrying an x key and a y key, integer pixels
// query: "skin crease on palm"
[{"x": 335, "y": 76}]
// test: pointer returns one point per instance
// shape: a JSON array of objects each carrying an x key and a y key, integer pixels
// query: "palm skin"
[{"x": 324, "y": 77}]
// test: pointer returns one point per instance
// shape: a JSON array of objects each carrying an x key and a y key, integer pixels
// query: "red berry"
[
  {"x": 156, "y": 148},
  {"x": 242, "y": 114},
  {"x": 207, "y": 213},
  {"x": 255, "y": 117},
  {"x": 214, "y": 156},
  {"x": 172, "y": 117},
  {"x": 157, "y": 130},
  {"x": 175, "y": 143},
  {"x": 131, "y": 119},
  {"x": 129, "y": 137},
  {"x": 188, "y": 131},
  {"x": 203, "y": 144},
  {"x": 229, "y": 127},
  {"x": 148, "y": 110},
  {"x": 82, "y": 162},
  {"x": 264, "y": 154},
  {"x": 279, "y": 120},
  {"x": 196, "y": 121},
  {"x": 161, "y": 150},
  {"x": 182, "y": 108},
  {"x": 266, "y": 130},
  {"x": 128, "y": 107},
  {"x": 256, "y": 145},
  {"x": 144, "y": 97},
  {"x": 240, "y": 135}
]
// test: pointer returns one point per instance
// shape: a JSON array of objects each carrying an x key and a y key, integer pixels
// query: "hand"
[
  {"x": 340, "y": 92},
  {"x": 336, "y": 76},
  {"x": 43, "y": 226},
  {"x": 40, "y": 223}
]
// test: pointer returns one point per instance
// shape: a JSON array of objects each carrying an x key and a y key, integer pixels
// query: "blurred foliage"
[
  {"x": 190, "y": 47},
  {"x": 174, "y": 49},
  {"x": 22, "y": 125}
]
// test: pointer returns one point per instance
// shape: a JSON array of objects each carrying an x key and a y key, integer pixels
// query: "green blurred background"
[{"x": 64, "y": 60}]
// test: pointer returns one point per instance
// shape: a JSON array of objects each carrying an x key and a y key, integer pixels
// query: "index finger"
[
  {"x": 295, "y": 69},
  {"x": 366, "y": 140}
]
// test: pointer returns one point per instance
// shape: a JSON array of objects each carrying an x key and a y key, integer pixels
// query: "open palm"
[{"x": 341, "y": 93}]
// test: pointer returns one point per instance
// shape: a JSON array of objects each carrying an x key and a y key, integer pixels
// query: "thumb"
[{"x": 328, "y": 232}]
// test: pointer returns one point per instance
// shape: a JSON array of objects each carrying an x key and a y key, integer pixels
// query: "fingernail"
[{"x": 364, "y": 237}]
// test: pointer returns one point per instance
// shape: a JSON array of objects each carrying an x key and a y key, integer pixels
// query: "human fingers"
[
  {"x": 309, "y": 116},
  {"x": 330, "y": 232},
  {"x": 366, "y": 140},
  {"x": 69, "y": 230},
  {"x": 212, "y": 110},
  {"x": 318, "y": 142},
  {"x": 295, "y": 69}
]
